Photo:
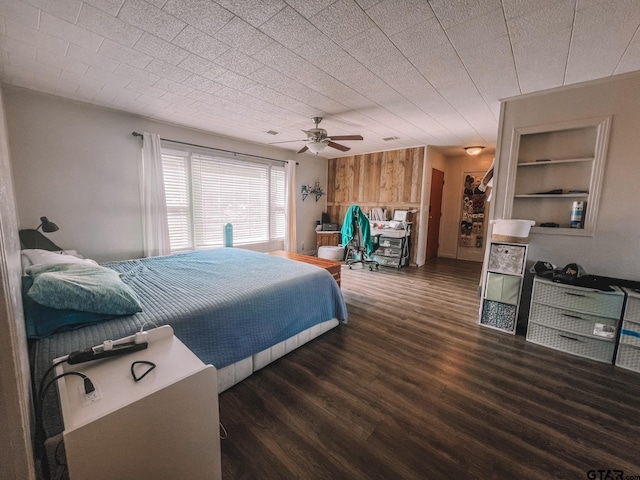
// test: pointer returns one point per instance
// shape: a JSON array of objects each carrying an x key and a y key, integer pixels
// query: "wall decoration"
[{"x": 472, "y": 222}]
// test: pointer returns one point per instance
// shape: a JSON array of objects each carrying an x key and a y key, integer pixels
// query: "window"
[{"x": 204, "y": 192}]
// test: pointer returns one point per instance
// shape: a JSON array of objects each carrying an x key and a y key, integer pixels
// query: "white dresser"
[
  {"x": 580, "y": 321},
  {"x": 628, "y": 355}
]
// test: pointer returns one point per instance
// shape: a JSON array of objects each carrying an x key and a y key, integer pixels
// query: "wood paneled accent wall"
[{"x": 390, "y": 180}]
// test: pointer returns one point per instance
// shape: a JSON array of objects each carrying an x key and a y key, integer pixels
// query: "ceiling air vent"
[{"x": 388, "y": 139}]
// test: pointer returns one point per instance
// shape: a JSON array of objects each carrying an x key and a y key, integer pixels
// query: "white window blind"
[
  {"x": 176, "y": 188},
  {"x": 205, "y": 192}
]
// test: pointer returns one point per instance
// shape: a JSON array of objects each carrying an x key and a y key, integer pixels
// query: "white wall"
[
  {"x": 452, "y": 205},
  {"x": 16, "y": 460},
  {"x": 77, "y": 164},
  {"x": 614, "y": 248}
]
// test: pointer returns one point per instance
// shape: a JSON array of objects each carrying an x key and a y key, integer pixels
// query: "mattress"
[{"x": 227, "y": 305}]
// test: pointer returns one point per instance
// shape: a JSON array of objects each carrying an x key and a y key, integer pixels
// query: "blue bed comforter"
[{"x": 225, "y": 305}]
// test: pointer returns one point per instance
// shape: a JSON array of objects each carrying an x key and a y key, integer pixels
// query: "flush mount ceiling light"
[
  {"x": 474, "y": 150},
  {"x": 317, "y": 147}
]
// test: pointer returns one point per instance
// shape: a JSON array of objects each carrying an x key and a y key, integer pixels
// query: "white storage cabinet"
[
  {"x": 577, "y": 320},
  {"x": 628, "y": 355}
]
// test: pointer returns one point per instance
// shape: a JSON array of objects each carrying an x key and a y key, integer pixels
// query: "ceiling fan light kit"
[
  {"x": 318, "y": 139},
  {"x": 317, "y": 147}
]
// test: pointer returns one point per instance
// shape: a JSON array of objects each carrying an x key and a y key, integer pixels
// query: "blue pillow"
[
  {"x": 42, "y": 321},
  {"x": 87, "y": 288}
]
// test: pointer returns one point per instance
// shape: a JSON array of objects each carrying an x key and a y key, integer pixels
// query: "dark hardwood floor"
[{"x": 413, "y": 388}]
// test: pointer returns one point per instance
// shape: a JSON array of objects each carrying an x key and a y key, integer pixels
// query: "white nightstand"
[{"x": 164, "y": 426}]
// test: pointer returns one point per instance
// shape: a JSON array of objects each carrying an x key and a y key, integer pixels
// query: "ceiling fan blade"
[
  {"x": 347, "y": 137},
  {"x": 303, "y": 149},
  {"x": 338, "y": 146},
  {"x": 288, "y": 141}
]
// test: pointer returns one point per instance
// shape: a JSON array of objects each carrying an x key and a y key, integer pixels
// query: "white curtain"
[
  {"x": 290, "y": 207},
  {"x": 155, "y": 229}
]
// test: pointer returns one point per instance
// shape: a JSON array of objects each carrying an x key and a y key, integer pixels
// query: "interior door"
[{"x": 435, "y": 213}]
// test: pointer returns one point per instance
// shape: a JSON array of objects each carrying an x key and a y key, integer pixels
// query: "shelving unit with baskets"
[
  {"x": 551, "y": 167},
  {"x": 502, "y": 285}
]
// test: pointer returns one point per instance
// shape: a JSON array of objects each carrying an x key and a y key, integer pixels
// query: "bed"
[{"x": 235, "y": 309}]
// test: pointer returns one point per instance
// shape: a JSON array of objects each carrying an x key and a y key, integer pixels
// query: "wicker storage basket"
[{"x": 511, "y": 231}]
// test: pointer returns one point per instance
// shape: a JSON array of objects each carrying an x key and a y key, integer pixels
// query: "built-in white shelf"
[
  {"x": 541, "y": 163},
  {"x": 553, "y": 195}
]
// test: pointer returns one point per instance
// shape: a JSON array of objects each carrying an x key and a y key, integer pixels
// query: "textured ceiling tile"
[
  {"x": 269, "y": 95},
  {"x": 79, "y": 54},
  {"x": 202, "y": 67},
  {"x": 441, "y": 66},
  {"x": 65, "y": 9},
  {"x": 453, "y": 13},
  {"x": 18, "y": 48},
  {"x": 141, "y": 88},
  {"x": 600, "y": 36},
  {"x": 421, "y": 37},
  {"x": 151, "y": 19},
  {"x": 242, "y": 36},
  {"x": 540, "y": 43},
  {"x": 492, "y": 69},
  {"x": 112, "y": 7},
  {"x": 142, "y": 76},
  {"x": 289, "y": 28},
  {"x": 366, "y": 4},
  {"x": 481, "y": 29},
  {"x": 99, "y": 22},
  {"x": 631, "y": 59},
  {"x": 199, "y": 43},
  {"x": 342, "y": 20},
  {"x": 97, "y": 73},
  {"x": 256, "y": 12},
  {"x": 161, "y": 49},
  {"x": 205, "y": 98},
  {"x": 66, "y": 31},
  {"x": 238, "y": 62},
  {"x": 60, "y": 61},
  {"x": 233, "y": 80},
  {"x": 394, "y": 16},
  {"x": 20, "y": 12},
  {"x": 166, "y": 70},
  {"x": 515, "y": 8},
  {"x": 123, "y": 54},
  {"x": 38, "y": 68},
  {"x": 270, "y": 77},
  {"x": 205, "y": 15},
  {"x": 284, "y": 60},
  {"x": 369, "y": 44},
  {"x": 321, "y": 51},
  {"x": 203, "y": 84},
  {"x": 309, "y": 8},
  {"x": 177, "y": 99},
  {"x": 173, "y": 87},
  {"x": 528, "y": 29}
]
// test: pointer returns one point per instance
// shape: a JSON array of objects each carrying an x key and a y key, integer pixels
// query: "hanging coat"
[{"x": 355, "y": 216}]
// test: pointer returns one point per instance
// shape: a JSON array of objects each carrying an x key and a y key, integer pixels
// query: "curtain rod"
[{"x": 136, "y": 134}]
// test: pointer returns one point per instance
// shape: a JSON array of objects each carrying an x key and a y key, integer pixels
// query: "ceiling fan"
[{"x": 318, "y": 139}]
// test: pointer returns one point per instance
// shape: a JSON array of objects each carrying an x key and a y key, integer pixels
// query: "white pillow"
[{"x": 37, "y": 256}]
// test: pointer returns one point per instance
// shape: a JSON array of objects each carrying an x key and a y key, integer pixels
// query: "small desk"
[
  {"x": 332, "y": 266},
  {"x": 327, "y": 238}
]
